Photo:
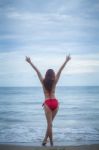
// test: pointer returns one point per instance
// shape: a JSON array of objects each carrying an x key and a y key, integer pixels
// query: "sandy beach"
[{"x": 18, "y": 147}]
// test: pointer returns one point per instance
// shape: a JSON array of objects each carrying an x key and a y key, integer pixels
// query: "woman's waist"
[{"x": 50, "y": 96}]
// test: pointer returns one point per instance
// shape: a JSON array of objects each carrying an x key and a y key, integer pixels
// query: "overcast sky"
[{"x": 47, "y": 30}]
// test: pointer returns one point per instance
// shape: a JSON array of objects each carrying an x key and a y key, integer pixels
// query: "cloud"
[
  {"x": 14, "y": 71},
  {"x": 83, "y": 67},
  {"x": 47, "y": 31},
  {"x": 78, "y": 64},
  {"x": 50, "y": 27}
]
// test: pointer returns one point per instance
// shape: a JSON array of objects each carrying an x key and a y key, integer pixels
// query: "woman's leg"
[
  {"x": 48, "y": 114},
  {"x": 53, "y": 114}
]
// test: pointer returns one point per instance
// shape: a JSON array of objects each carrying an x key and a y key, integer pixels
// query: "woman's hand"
[
  {"x": 68, "y": 57},
  {"x": 28, "y": 59}
]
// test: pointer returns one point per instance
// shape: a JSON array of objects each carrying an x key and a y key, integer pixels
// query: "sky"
[{"x": 47, "y": 31}]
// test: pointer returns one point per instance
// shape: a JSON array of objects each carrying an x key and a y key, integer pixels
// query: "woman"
[{"x": 50, "y": 104}]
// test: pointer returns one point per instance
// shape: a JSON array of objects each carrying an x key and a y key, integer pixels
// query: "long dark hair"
[{"x": 49, "y": 79}]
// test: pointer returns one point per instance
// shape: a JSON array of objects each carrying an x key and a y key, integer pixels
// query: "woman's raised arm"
[
  {"x": 35, "y": 68},
  {"x": 61, "y": 68}
]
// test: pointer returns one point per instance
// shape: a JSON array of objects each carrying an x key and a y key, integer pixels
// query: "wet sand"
[{"x": 21, "y": 147}]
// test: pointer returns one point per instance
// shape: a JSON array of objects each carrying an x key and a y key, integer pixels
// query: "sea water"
[{"x": 22, "y": 118}]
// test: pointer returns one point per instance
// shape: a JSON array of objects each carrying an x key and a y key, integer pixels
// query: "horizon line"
[{"x": 56, "y": 86}]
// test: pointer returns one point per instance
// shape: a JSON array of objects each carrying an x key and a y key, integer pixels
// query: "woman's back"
[
  {"x": 50, "y": 94},
  {"x": 49, "y": 84}
]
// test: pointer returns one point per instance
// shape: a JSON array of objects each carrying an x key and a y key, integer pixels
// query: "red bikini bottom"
[{"x": 51, "y": 103}]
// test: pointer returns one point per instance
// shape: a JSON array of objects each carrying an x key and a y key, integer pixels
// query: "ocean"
[{"x": 22, "y": 118}]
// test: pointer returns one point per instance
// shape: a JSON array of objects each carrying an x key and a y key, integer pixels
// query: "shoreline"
[{"x": 23, "y": 147}]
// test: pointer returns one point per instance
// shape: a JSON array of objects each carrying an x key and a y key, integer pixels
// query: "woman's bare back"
[{"x": 51, "y": 94}]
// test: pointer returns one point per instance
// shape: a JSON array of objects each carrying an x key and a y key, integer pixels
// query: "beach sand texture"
[{"x": 18, "y": 147}]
